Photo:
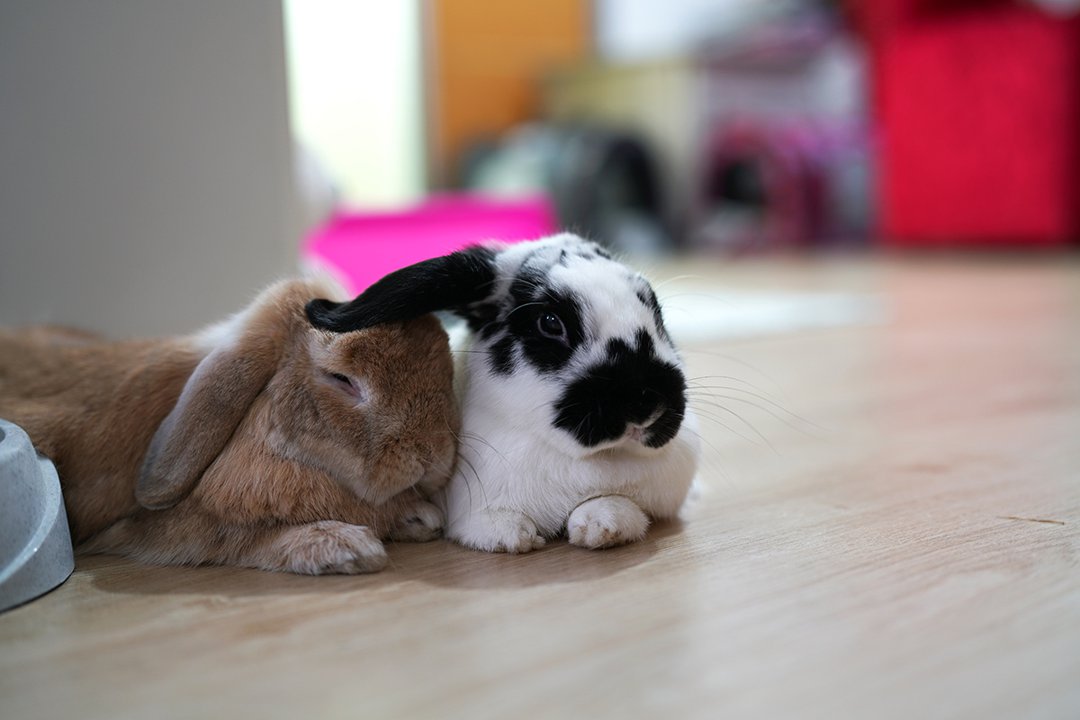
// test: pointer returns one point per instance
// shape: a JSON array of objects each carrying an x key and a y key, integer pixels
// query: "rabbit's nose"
[
  {"x": 646, "y": 407},
  {"x": 638, "y": 431}
]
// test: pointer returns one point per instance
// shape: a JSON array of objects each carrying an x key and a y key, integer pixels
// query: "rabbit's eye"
[
  {"x": 551, "y": 325},
  {"x": 342, "y": 381},
  {"x": 355, "y": 387}
]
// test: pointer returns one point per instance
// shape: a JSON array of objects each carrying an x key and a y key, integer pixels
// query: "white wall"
[
  {"x": 356, "y": 96},
  {"x": 146, "y": 179}
]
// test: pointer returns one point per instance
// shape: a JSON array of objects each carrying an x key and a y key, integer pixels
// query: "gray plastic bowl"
[{"x": 35, "y": 544}]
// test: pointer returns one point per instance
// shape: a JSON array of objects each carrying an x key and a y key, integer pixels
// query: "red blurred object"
[{"x": 978, "y": 103}]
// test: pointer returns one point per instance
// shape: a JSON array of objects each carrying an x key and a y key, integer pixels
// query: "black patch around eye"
[
  {"x": 630, "y": 386},
  {"x": 489, "y": 319},
  {"x": 528, "y": 300},
  {"x": 548, "y": 354}
]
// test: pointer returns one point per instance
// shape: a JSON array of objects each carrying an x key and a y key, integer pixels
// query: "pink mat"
[{"x": 358, "y": 248}]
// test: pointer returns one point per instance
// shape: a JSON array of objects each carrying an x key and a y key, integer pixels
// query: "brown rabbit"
[{"x": 260, "y": 442}]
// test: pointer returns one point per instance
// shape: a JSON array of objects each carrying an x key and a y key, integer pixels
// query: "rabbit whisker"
[
  {"x": 710, "y": 416},
  {"x": 784, "y": 416},
  {"x": 705, "y": 441},
  {"x": 769, "y": 401}
]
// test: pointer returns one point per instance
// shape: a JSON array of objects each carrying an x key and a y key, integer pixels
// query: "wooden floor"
[{"x": 889, "y": 527}]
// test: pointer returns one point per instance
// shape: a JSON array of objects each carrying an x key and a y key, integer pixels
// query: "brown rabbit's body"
[
  {"x": 261, "y": 442},
  {"x": 86, "y": 423}
]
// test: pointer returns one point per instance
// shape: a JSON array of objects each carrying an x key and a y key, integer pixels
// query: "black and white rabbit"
[{"x": 573, "y": 394}]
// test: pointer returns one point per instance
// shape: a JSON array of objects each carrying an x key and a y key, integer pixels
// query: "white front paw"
[
  {"x": 508, "y": 531},
  {"x": 606, "y": 521}
]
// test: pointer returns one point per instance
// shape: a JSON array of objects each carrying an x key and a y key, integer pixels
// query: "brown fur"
[{"x": 247, "y": 452}]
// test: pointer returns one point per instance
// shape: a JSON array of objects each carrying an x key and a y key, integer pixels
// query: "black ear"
[{"x": 450, "y": 282}]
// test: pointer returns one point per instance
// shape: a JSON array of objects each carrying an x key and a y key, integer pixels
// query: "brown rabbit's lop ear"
[
  {"x": 214, "y": 401},
  {"x": 451, "y": 282}
]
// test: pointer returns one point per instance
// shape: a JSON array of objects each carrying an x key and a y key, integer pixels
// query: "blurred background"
[{"x": 160, "y": 161}]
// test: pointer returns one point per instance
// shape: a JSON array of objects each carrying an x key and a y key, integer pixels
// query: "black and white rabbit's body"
[{"x": 573, "y": 395}]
